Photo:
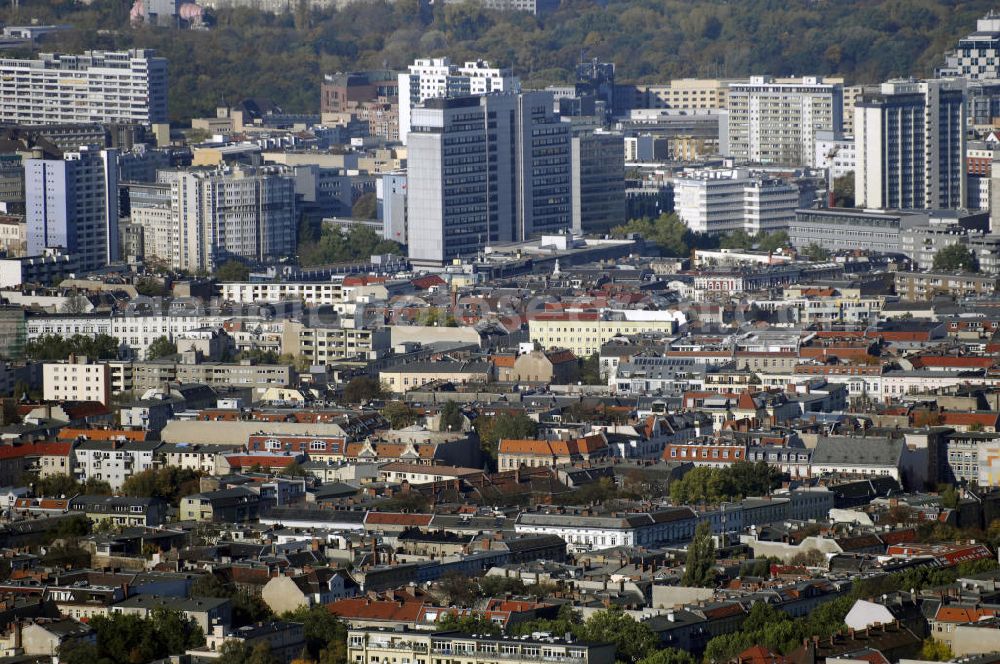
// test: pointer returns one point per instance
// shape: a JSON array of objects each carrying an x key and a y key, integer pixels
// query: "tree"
[
  {"x": 633, "y": 640},
  {"x": 468, "y": 624},
  {"x": 954, "y": 258},
  {"x": 232, "y": 270},
  {"x": 129, "y": 638},
  {"x": 667, "y": 231},
  {"x": 459, "y": 588},
  {"x": 843, "y": 191},
  {"x": 492, "y": 429},
  {"x": 815, "y": 252},
  {"x": 668, "y": 656},
  {"x": 935, "y": 651},
  {"x": 294, "y": 469},
  {"x": 55, "y": 347},
  {"x": 738, "y": 239},
  {"x": 246, "y": 607},
  {"x": 366, "y": 207},
  {"x": 75, "y": 303},
  {"x": 169, "y": 483},
  {"x": 699, "y": 565},
  {"x": 161, "y": 347},
  {"x": 399, "y": 414},
  {"x": 363, "y": 388},
  {"x": 808, "y": 558},
  {"x": 150, "y": 287},
  {"x": 451, "y": 418},
  {"x": 773, "y": 241},
  {"x": 325, "y": 634},
  {"x": 590, "y": 370}
]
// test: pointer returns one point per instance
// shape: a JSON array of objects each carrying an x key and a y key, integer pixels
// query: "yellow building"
[{"x": 585, "y": 332}]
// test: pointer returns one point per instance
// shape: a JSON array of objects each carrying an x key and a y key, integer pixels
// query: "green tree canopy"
[
  {"x": 363, "y": 388},
  {"x": 492, "y": 428},
  {"x": 667, "y": 231},
  {"x": 451, "y": 417},
  {"x": 124, "y": 638},
  {"x": 232, "y": 270},
  {"x": 956, "y": 257},
  {"x": 713, "y": 485},
  {"x": 399, "y": 414},
  {"x": 699, "y": 565},
  {"x": 366, "y": 207},
  {"x": 169, "y": 483},
  {"x": 55, "y": 347},
  {"x": 161, "y": 347}
]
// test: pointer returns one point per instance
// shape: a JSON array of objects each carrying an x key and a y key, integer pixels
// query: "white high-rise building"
[
  {"x": 910, "y": 146},
  {"x": 98, "y": 86},
  {"x": 485, "y": 169},
  {"x": 772, "y": 122},
  {"x": 722, "y": 201},
  {"x": 438, "y": 77},
  {"x": 72, "y": 203},
  {"x": 977, "y": 56}
]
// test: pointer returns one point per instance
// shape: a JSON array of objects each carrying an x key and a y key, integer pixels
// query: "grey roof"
[
  {"x": 442, "y": 367},
  {"x": 194, "y": 604},
  {"x": 867, "y": 451},
  {"x": 126, "y": 446}
]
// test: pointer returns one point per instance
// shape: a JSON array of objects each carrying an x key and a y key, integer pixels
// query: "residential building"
[
  {"x": 583, "y": 333},
  {"x": 586, "y": 530},
  {"x": 513, "y": 453},
  {"x": 910, "y": 146},
  {"x": 121, "y": 511},
  {"x": 324, "y": 344},
  {"x": 72, "y": 204},
  {"x": 774, "y": 122},
  {"x": 372, "y": 96},
  {"x": 236, "y": 505},
  {"x": 48, "y": 268},
  {"x": 77, "y": 379},
  {"x": 113, "y": 461},
  {"x": 598, "y": 181},
  {"x": 835, "y": 151},
  {"x": 438, "y": 77},
  {"x": 321, "y": 586},
  {"x": 928, "y": 285},
  {"x": 310, "y": 294},
  {"x": 371, "y": 645},
  {"x": 459, "y": 200},
  {"x": 97, "y": 86},
  {"x": 558, "y": 367},
  {"x": 206, "y": 612},
  {"x": 242, "y": 212},
  {"x": 402, "y": 378}
]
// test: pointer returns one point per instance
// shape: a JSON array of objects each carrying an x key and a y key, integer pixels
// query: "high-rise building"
[
  {"x": 198, "y": 219},
  {"x": 246, "y": 213},
  {"x": 910, "y": 146},
  {"x": 485, "y": 169},
  {"x": 977, "y": 56},
  {"x": 72, "y": 203},
  {"x": 773, "y": 122},
  {"x": 438, "y": 77},
  {"x": 98, "y": 86},
  {"x": 598, "y": 169}
]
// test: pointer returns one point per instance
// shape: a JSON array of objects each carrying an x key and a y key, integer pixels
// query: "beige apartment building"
[
  {"x": 375, "y": 646},
  {"x": 584, "y": 333},
  {"x": 325, "y": 344},
  {"x": 77, "y": 379}
]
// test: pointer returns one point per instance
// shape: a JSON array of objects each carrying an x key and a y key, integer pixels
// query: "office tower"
[
  {"x": 373, "y": 96},
  {"x": 438, "y": 77},
  {"x": 98, "y": 86},
  {"x": 977, "y": 56},
  {"x": 482, "y": 170},
  {"x": 598, "y": 171},
  {"x": 910, "y": 146},
  {"x": 72, "y": 203},
  {"x": 774, "y": 122},
  {"x": 242, "y": 212}
]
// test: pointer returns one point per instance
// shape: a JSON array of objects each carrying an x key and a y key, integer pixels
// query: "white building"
[
  {"x": 113, "y": 461},
  {"x": 976, "y": 56},
  {"x": 72, "y": 204},
  {"x": 98, "y": 86},
  {"x": 722, "y": 201},
  {"x": 910, "y": 144},
  {"x": 438, "y": 77},
  {"x": 585, "y": 531},
  {"x": 77, "y": 379},
  {"x": 306, "y": 292},
  {"x": 835, "y": 151},
  {"x": 774, "y": 122}
]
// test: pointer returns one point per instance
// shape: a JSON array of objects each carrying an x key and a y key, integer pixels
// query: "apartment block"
[
  {"x": 439, "y": 78},
  {"x": 976, "y": 55},
  {"x": 373, "y": 96},
  {"x": 910, "y": 146},
  {"x": 72, "y": 204},
  {"x": 323, "y": 344},
  {"x": 77, "y": 379},
  {"x": 773, "y": 122},
  {"x": 113, "y": 461},
  {"x": 585, "y": 332},
  {"x": 310, "y": 294},
  {"x": 374, "y": 646},
  {"x": 97, "y": 86}
]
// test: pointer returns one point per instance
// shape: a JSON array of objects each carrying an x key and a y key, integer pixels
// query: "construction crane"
[{"x": 833, "y": 152}]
